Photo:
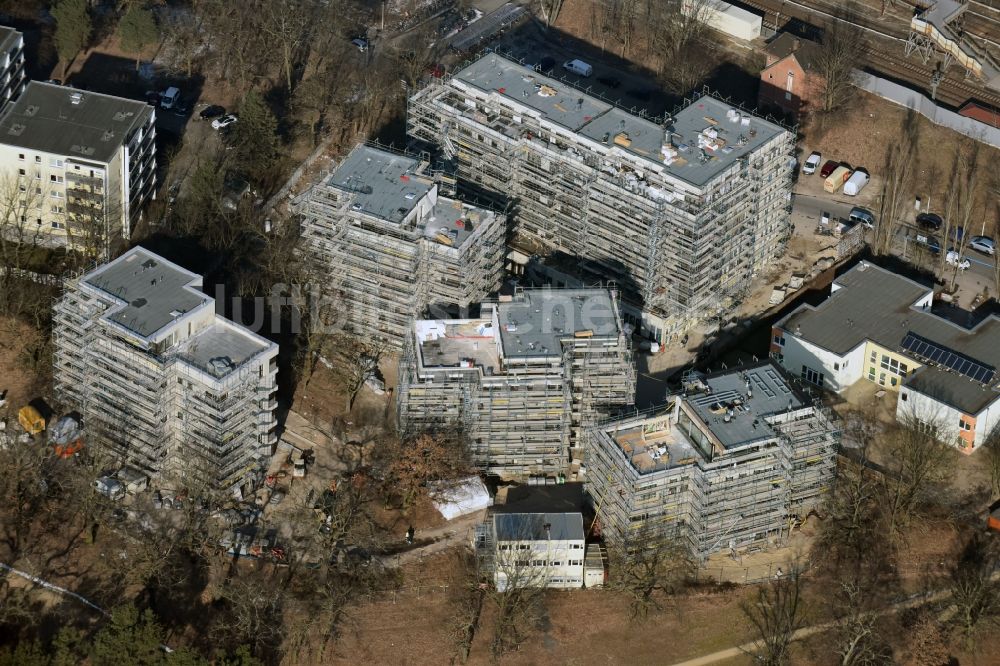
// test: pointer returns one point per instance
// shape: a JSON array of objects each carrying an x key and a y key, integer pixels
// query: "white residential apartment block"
[
  {"x": 167, "y": 384},
  {"x": 724, "y": 465},
  {"x": 533, "y": 549},
  {"x": 12, "y": 76},
  {"x": 680, "y": 212},
  {"x": 523, "y": 380},
  {"x": 883, "y": 328},
  {"x": 83, "y": 164},
  {"x": 391, "y": 247}
]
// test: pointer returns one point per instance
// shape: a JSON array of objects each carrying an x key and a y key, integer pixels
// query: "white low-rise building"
[
  {"x": 537, "y": 550},
  {"x": 881, "y": 327}
]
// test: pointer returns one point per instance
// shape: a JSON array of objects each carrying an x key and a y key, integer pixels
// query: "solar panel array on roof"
[{"x": 947, "y": 358}]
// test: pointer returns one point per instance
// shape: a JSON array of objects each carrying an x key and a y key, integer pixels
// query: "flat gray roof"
[
  {"x": 875, "y": 304},
  {"x": 535, "y": 321},
  {"x": 385, "y": 185},
  {"x": 8, "y": 36},
  {"x": 557, "y": 102},
  {"x": 457, "y": 220},
  {"x": 531, "y": 526},
  {"x": 44, "y": 118},
  {"x": 752, "y": 394},
  {"x": 221, "y": 348},
  {"x": 562, "y": 104},
  {"x": 155, "y": 291}
]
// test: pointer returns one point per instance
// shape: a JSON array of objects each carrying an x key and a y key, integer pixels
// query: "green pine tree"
[
  {"x": 73, "y": 29},
  {"x": 137, "y": 30}
]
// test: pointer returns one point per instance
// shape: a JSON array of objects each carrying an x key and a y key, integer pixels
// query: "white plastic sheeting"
[{"x": 461, "y": 498}]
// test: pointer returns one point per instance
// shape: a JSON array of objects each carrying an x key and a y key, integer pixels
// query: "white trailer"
[
  {"x": 855, "y": 183},
  {"x": 724, "y": 17}
]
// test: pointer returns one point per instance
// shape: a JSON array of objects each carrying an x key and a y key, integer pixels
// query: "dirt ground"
[
  {"x": 861, "y": 134},
  {"x": 18, "y": 384}
]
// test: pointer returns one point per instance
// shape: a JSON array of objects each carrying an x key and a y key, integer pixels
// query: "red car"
[{"x": 828, "y": 168}]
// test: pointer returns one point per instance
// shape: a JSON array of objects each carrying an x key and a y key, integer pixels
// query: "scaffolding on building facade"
[{"x": 677, "y": 250}]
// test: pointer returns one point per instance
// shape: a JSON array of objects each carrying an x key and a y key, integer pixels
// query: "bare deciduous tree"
[
  {"x": 653, "y": 562},
  {"x": 839, "y": 53},
  {"x": 776, "y": 612},
  {"x": 975, "y": 587},
  {"x": 897, "y": 188}
]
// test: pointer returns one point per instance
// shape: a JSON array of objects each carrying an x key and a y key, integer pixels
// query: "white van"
[
  {"x": 578, "y": 67},
  {"x": 170, "y": 97}
]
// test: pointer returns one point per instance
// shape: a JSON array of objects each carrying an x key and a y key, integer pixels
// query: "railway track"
[{"x": 883, "y": 51}]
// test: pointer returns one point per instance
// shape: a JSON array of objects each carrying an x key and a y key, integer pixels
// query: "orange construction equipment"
[
  {"x": 69, "y": 450},
  {"x": 993, "y": 521}
]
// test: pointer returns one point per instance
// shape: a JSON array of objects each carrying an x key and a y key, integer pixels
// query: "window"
[
  {"x": 881, "y": 379},
  {"x": 893, "y": 366},
  {"x": 523, "y": 546},
  {"x": 20, "y": 172},
  {"x": 504, "y": 547},
  {"x": 836, "y": 366},
  {"x": 38, "y": 159},
  {"x": 57, "y": 163},
  {"x": 56, "y": 194},
  {"x": 964, "y": 425},
  {"x": 57, "y": 225},
  {"x": 904, "y": 397},
  {"x": 812, "y": 376},
  {"x": 20, "y": 156},
  {"x": 779, "y": 340},
  {"x": 538, "y": 563},
  {"x": 874, "y": 357},
  {"x": 56, "y": 179}
]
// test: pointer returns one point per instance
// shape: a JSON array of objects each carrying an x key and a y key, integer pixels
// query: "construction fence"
[{"x": 938, "y": 115}]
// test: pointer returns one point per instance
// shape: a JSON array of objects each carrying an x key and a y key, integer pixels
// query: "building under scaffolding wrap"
[
  {"x": 390, "y": 246},
  {"x": 729, "y": 463},
  {"x": 523, "y": 381},
  {"x": 169, "y": 385},
  {"x": 681, "y": 212}
]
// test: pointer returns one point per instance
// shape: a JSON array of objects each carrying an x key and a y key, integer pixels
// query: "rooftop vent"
[
  {"x": 149, "y": 263},
  {"x": 16, "y": 129},
  {"x": 31, "y": 110},
  {"x": 107, "y": 136},
  {"x": 123, "y": 115},
  {"x": 139, "y": 302},
  {"x": 83, "y": 150},
  {"x": 75, "y": 98}
]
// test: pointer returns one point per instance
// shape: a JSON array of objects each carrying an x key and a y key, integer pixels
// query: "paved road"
[{"x": 458, "y": 531}]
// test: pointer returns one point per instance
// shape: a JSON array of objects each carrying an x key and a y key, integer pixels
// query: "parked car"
[
  {"x": 170, "y": 97},
  {"x": 812, "y": 163},
  {"x": 361, "y": 43},
  {"x": 153, "y": 97},
  {"x": 954, "y": 259},
  {"x": 277, "y": 497},
  {"x": 862, "y": 216},
  {"x": 933, "y": 245},
  {"x": 930, "y": 221},
  {"x": 578, "y": 67},
  {"x": 110, "y": 487},
  {"x": 609, "y": 81},
  {"x": 983, "y": 244},
  {"x": 212, "y": 111},
  {"x": 224, "y": 121},
  {"x": 828, "y": 167}
]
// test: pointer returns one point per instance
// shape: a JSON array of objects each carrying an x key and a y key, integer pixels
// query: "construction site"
[
  {"x": 523, "y": 381},
  {"x": 680, "y": 212},
  {"x": 391, "y": 247},
  {"x": 167, "y": 385},
  {"x": 731, "y": 462}
]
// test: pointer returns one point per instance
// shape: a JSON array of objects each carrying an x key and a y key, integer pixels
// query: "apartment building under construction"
[
  {"x": 681, "y": 212},
  {"x": 729, "y": 463},
  {"x": 168, "y": 385},
  {"x": 523, "y": 381},
  {"x": 393, "y": 247}
]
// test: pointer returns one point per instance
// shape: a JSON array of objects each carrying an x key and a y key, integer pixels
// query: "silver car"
[{"x": 983, "y": 244}]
